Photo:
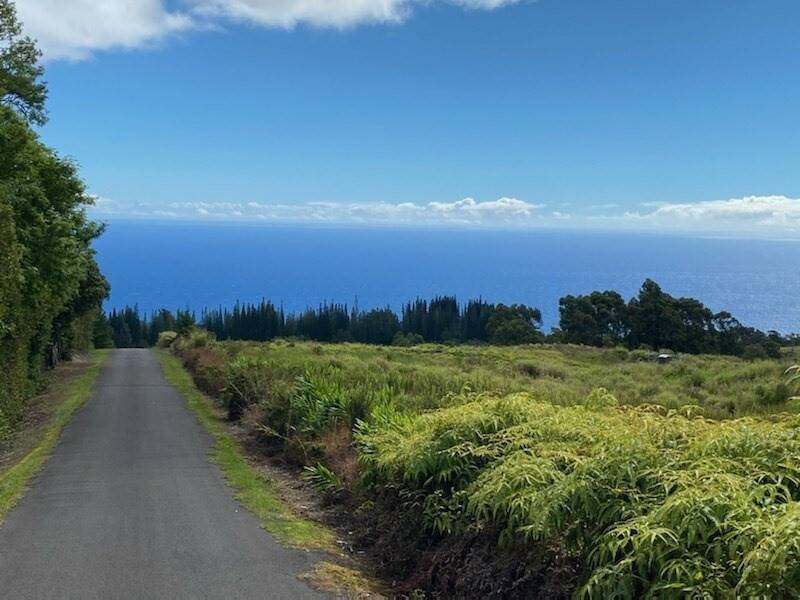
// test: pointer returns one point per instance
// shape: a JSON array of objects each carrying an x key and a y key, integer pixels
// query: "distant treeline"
[
  {"x": 127, "y": 328},
  {"x": 442, "y": 320},
  {"x": 653, "y": 319}
]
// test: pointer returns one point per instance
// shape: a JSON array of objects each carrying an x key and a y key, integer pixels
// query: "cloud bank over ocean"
[{"x": 751, "y": 215}]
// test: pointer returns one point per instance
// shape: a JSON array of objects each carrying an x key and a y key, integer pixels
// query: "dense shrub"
[
  {"x": 407, "y": 339},
  {"x": 194, "y": 338},
  {"x": 166, "y": 339},
  {"x": 209, "y": 369},
  {"x": 754, "y": 352},
  {"x": 428, "y": 376},
  {"x": 655, "y": 503},
  {"x": 772, "y": 349},
  {"x": 319, "y": 403},
  {"x": 246, "y": 383},
  {"x": 774, "y": 395}
]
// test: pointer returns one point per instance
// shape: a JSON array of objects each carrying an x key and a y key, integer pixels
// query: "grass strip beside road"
[
  {"x": 15, "y": 479},
  {"x": 254, "y": 489}
]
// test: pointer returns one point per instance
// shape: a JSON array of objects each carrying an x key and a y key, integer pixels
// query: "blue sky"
[{"x": 678, "y": 114}]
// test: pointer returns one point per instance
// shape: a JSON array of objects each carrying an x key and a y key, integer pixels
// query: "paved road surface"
[{"x": 129, "y": 507}]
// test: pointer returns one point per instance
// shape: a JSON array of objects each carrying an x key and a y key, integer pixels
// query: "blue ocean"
[{"x": 197, "y": 265}]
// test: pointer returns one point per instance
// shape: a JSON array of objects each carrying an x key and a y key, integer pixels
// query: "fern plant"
[
  {"x": 322, "y": 478},
  {"x": 659, "y": 503}
]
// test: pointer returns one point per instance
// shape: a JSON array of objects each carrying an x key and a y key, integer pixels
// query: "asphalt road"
[{"x": 129, "y": 507}]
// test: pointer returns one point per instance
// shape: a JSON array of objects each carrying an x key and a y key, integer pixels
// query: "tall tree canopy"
[
  {"x": 21, "y": 87},
  {"x": 598, "y": 319},
  {"x": 50, "y": 286},
  {"x": 655, "y": 319}
]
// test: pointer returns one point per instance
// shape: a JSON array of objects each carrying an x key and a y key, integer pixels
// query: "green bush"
[
  {"x": 754, "y": 352},
  {"x": 318, "y": 403},
  {"x": 247, "y": 382},
  {"x": 194, "y": 338},
  {"x": 166, "y": 339},
  {"x": 640, "y": 355},
  {"x": 772, "y": 349},
  {"x": 407, "y": 340},
  {"x": 209, "y": 369}
]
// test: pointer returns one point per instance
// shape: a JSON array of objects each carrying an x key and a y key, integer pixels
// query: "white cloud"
[
  {"x": 469, "y": 212},
  {"x": 325, "y": 13},
  {"x": 469, "y": 208},
  {"x": 755, "y": 214},
  {"x": 319, "y": 13},
  {"x": 75, "y": 29}
]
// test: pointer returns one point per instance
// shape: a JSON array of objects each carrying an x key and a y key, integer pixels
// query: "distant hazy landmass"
[{"x": 200, "y": 265}]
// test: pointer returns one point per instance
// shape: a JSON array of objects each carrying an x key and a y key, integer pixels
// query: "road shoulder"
[
  {"x": 259, "y": 493},
  {"x": 70, "y": 386}
]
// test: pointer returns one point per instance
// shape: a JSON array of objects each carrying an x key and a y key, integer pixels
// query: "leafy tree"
[
  {"x": 515, "y": 324},
  {"x": 599, "y": 319},
  {"x": 728, "y": 334},
  {"x": 93, "y": 289},
  {"x": 657, "y": 320},
  {"x": 772, "y": 349},
  {"x": 21, "y": 87},
  {"x": 660, "y": 321},
  {"x": 652, "y": 318},
  {"x": 50, "y": 287}
]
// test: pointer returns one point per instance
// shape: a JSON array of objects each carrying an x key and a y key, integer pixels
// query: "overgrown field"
[
  {"x": 426, "y": 376},
  {"x": 543, "y": 471}
]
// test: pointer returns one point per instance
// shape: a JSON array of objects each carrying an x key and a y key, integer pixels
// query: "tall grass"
[{"x": 430, "y": 376}]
